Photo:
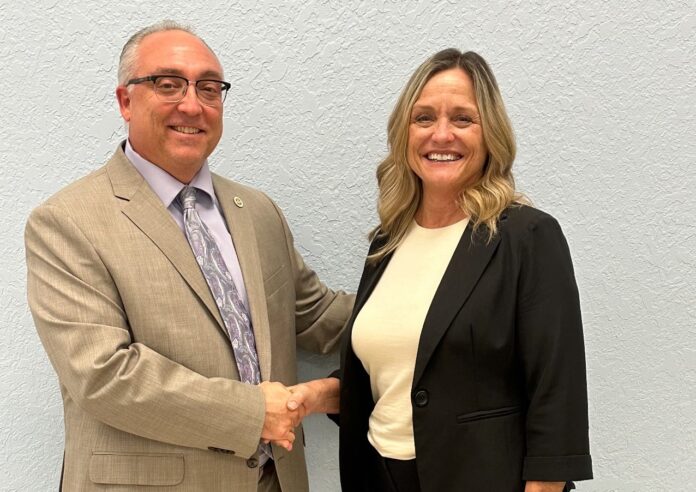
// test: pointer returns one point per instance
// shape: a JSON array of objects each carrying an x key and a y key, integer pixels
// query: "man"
[{"x": 155, "y": 392}]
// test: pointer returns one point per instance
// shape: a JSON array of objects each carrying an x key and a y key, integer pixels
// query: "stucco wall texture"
[{"x": 601, "y": 95}]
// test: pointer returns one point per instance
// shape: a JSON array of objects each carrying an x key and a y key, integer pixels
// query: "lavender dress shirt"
[{"x": 167, "y": 188}]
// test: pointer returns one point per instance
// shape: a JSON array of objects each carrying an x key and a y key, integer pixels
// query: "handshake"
[{"x": 286, "y": 406}]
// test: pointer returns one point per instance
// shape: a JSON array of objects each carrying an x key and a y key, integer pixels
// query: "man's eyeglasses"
[{"x": 172, "y": 88}]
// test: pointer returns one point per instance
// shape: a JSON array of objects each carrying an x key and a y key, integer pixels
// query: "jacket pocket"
[
  {"x": 487, "y": 414},
  {"x": 136, "y": 469}
]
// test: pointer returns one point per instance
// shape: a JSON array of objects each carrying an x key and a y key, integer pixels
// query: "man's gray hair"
[{"x": 129, "y": 53}]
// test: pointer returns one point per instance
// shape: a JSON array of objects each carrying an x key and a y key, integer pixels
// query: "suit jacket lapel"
[
  {"x": 147, "y": 212},
  {"x": 241, "y": 226},
  {"x": 468, "y": 262}
]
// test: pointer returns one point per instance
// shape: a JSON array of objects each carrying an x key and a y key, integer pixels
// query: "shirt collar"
[{"x": 166, "y": 186}]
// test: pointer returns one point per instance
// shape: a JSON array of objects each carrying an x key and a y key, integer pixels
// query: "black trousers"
[
  {"x": 393, "y": 475},
  {"x": 402, "y": 476}
]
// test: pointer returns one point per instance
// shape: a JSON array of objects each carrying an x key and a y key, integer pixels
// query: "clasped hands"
[{"x": 287, "y": 406}]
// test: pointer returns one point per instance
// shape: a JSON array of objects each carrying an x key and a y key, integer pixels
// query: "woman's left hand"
[{"x": 544, "y": 487}]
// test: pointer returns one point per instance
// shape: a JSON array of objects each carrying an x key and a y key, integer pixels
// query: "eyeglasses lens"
[{"x": 173, "y": 89}]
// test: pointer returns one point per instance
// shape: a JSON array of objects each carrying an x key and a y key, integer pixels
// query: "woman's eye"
[
  {"x": 463, "y": 119},
  {"x": 423, "y": 118}
]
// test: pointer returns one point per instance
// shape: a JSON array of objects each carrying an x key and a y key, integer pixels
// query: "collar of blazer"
[
  {"x": 144, "y": 208},
  {"x": 470, "y": 258}
]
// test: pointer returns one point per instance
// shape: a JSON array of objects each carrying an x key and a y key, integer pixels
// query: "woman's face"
[{"x": 445, "y": 140}]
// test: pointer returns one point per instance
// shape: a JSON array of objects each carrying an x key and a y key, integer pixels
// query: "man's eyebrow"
[
  {"x": 208, "y": 74},
  {"x": 168, "y": 71},
  {"x": 211, "y": 74}
]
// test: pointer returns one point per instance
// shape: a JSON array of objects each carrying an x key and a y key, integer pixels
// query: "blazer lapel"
[
  {"x": 371, "y": 275},
  {"x": 147, "y": 212},
  {"x": 468, "y": 262},
  {"x": 241, "y": 226},
  {"x": 370, "y": 281}
]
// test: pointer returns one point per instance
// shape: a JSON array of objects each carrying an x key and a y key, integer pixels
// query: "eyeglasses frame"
[{"x": 153, "y": 78}]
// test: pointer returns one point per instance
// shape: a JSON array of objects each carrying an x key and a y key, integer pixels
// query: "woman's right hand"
[{"x": 536, "y": 486}]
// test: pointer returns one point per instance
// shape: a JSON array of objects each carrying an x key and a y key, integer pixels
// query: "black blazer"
[{"x": 499, "y": 392}]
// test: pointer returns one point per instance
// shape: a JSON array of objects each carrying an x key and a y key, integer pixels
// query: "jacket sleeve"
[
  {"x": 550, "y": 342},
  {"x": 320, "y": 313},
  {"x": 84, "y": 328}
]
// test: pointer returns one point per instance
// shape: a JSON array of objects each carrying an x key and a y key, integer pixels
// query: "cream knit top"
[{"x": 387, "y": 330}]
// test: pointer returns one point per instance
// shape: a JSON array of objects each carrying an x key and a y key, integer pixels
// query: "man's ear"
[{"x": 124, "y": 100}]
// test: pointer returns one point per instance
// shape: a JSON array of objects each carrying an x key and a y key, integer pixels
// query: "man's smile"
[{"x": 189, "y": 130}]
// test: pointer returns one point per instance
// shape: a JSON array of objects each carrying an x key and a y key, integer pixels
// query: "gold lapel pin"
[{"x": 238, "y": 201}]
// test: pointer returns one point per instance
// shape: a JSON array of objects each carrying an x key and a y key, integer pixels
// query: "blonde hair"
[{"x": 400, "y": 190}]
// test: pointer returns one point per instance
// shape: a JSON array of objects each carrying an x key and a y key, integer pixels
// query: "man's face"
[{"x": 177, "y": 137}]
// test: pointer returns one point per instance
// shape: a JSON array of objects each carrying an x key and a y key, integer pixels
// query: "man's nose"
[{"x": 190, "y": 104}]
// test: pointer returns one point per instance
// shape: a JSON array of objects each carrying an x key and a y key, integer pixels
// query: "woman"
[{"x": 463, "y": 368}]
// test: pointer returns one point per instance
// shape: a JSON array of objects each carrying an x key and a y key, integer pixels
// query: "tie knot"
[{"x": 187, "y": 196}]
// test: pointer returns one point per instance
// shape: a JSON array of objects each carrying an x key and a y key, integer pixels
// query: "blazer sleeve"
[
  {"x": 321, "y": 314},
  {"x": 84, "y": 328},
  {"x": 550, "y": 342}
]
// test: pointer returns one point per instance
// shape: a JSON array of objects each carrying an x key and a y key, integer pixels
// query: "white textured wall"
[{"x": 602, "y": 97}]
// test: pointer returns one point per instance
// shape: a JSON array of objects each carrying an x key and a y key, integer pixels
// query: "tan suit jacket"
[{"x": 148, "y": 378}]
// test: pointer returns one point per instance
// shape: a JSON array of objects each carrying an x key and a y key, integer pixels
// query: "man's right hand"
[{"x": 280, "y": 422}]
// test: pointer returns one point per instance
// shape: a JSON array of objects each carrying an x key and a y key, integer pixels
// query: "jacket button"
[
  {"x": 421, "y": 398},
  {"x": 252, "y": 462}
]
